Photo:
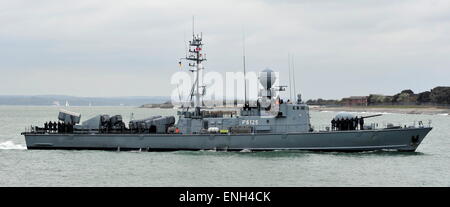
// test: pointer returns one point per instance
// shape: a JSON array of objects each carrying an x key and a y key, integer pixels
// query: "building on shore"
[{"x": 355, "y": 101}]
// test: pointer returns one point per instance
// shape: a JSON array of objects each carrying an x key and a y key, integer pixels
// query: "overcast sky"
[{"x": 131, "y": 48}]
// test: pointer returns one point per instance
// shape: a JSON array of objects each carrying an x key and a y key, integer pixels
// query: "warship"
[{"x": 270, "y": 124}]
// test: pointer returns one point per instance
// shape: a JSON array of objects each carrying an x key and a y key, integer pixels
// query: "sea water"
[{"x": 428, "y": 166}]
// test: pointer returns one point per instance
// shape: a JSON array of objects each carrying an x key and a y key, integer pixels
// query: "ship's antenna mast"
[
  {"x": 195, "y": 55},
  {"x": 289, "y": 68},
  {"x": 245, "y": 80},
  {"x": 293, "y": 75},
  {"x": 185, "y": 46}
]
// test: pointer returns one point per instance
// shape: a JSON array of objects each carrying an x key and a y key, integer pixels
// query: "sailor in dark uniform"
[
  {"x": 63, "y": 127},
  {"x": 333, "y": 124},
  {"x": 50, "y": 126},
  {"x": 343, "y": 122},
  {"x": 361, "y": 123}
]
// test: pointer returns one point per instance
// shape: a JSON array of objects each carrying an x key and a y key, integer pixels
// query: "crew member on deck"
[
  {"x": 348, "y": 123},
  {"x": 50, "y": 126},
  {"x": 63, "y": 127}
]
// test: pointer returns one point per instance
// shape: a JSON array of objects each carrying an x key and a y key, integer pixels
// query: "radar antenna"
[
  {"x": 196, "y": 57},
  {"x": 245, "y": 80}
]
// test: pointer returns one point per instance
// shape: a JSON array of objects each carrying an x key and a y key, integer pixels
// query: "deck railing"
[
  {"x": 286, "y": 127},
  {"x": 383, "y": 125}
]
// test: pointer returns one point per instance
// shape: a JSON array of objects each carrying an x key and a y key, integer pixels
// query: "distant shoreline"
[{"x": 428, "y": 110}]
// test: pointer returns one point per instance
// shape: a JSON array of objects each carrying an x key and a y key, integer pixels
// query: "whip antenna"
[
  {"x": 245, "y": 78},
  {"x": 289, "y": 68},
  {"x": 293, "y": 75}
]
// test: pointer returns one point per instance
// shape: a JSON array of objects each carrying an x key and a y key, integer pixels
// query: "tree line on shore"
[{"x": 437, "y": 96}]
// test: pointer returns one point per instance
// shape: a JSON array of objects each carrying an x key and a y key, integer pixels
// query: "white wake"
[{"x": 10, "y": 145}]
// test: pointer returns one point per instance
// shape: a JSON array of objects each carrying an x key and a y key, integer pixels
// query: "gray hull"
[{"x": 397, "y": 139}]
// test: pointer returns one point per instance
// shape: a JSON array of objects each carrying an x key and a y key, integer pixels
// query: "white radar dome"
[
  {"x": 267, "y": 78},
  {"x": 344, "y": 115}
]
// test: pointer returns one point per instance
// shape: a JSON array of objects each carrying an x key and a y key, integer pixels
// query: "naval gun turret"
[{"x": 349, "y": 121}]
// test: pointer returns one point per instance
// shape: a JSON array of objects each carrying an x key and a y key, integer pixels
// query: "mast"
[
  {"x": 293, "y": 75},
  {"x": 245, "y": 80},
  {"x": 289, "y": 68},
  {"x": 196, "y": 57}
]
